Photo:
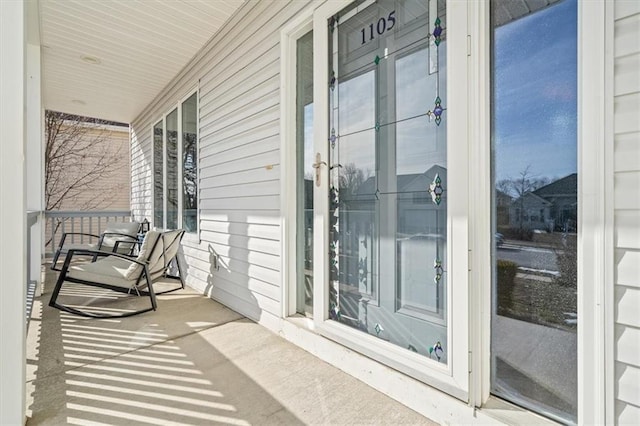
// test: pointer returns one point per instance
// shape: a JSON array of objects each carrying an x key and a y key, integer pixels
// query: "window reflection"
[
  {"x": 534, "y": 321},
  {"x": 190, "y": 164},
  {"x": 158, "y": 176},
  {"x": 356, "y": 123},
  {"x": 305, "y": 173},
  {"x": 419, "y": 143},
  {"x": 172, "y": 170}
]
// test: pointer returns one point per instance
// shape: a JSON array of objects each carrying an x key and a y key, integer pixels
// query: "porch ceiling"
[{"x": 111, "y": 58}]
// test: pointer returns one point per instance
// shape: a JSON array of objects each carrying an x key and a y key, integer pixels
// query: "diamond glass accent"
[
  {"x": 436, "y": 350},
  {"x": 437, "y": 111},
  {"x": 378, "y": 328},
  {"x": 437, "y": 266},
  {"x": 436, "y": 190},
  {"x": 437, "y": 31}
]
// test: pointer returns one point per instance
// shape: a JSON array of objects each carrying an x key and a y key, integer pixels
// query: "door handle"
[{"x": 316, "y": 166}]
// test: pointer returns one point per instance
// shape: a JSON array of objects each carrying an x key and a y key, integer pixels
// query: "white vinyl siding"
[
  {"x": 238, "y": 76},
  {"x": 627, "y": 210},
  {"x": 141, "y": 176}
]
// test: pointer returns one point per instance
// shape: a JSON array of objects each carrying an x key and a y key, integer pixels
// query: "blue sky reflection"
[{"x": 535, "y": 99}]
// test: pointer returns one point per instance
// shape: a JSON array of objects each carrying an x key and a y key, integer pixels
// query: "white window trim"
[
  {"x": 596, "y": 361},
  {"x": 189, "y": 236},
  {"x": 289, "y": 36}
]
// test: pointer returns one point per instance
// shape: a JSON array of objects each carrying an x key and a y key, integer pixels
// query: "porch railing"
[
  {"x": 87, "y": 222},
  {"x": 32, "y": 282}
]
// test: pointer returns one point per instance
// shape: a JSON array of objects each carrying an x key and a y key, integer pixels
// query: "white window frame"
[
  {"x": 595, "y": 333},
  {"x": 288, "y": 203},
  {"x": 180, "y": 166}
]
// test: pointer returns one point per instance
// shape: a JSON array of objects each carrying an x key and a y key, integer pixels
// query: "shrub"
[
  {"x": 567, "y": 261},
  {"x": 522, "y": 234},
  {"x": 506, "y": 277}
]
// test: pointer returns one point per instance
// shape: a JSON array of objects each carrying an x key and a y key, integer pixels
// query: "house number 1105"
[{"x": 383, "y": 25}]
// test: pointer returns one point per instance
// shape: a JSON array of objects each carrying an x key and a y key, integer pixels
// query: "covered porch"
[{"x": 242, "y": 344}]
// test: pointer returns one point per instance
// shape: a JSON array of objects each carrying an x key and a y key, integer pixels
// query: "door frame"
[{"x": 452, "y": 378}]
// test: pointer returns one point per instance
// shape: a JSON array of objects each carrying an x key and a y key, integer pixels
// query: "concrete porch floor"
[{"x": 193, "y": 361}]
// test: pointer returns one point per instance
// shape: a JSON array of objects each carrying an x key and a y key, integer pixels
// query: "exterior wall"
[
  {"x": 627, "y": 210},
  {"x": 239, "y": 171},
  {"x": 112, "y": 190}
]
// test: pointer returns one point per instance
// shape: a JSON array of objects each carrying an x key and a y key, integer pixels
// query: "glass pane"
[
  {"x": 172, "y": 169},
  {"x": 389, "y": 173},
  {"x": 421, "y": 159},
  {"x": 190, "y": 164},
  {"x": 158, "y": 171},
  {"x": 305, "y": 173},
  {"x": 534, "y": 344}
]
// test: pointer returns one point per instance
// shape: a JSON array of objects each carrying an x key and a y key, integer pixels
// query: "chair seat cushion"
[
  {"x": 85, "y": 246},
  {"x": 109, "y": 270}
]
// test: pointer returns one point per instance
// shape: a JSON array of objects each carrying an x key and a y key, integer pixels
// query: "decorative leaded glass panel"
[{"x": 388, "y": 172}]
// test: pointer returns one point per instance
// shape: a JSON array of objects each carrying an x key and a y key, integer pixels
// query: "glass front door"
[{"x": 388, "y": 184}]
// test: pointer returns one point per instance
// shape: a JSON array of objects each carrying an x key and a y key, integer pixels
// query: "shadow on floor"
[
  {"x": 193, "y": 361},
  {"x": 139, "y": 370}
]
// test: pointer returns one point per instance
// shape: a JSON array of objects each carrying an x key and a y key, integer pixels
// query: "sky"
[{"x": 535, "y": 86}]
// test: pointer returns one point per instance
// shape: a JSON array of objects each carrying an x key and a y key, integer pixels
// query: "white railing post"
[{"x": 103, "y": 217}]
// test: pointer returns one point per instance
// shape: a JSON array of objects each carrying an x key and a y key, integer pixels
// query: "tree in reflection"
[
  {"x": 351, "y": 177},
  {"x": 189, "y": 180},
  {"x": 189, "y": 171}
]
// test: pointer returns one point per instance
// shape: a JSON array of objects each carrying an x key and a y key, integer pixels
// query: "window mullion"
[{"x": 180, "y": 165}]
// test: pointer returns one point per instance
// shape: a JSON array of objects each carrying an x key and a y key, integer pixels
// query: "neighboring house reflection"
[{"x": 552, "y": 207}]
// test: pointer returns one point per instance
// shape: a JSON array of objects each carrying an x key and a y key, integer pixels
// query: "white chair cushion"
[
  {"x": 151, "y": 253},
  {"x": 119, "y": 272},
  {"x": 85, "y": 246},
  {"x": 109, "y": 270},
  {"x": 126, "y": 228}
]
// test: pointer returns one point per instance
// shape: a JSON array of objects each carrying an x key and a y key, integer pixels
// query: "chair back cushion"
[
  {"x": 127, "y": 228},
  {"x": 158, "y": 249},
  {"x": 151, "y": 253},
  {"x": 171, "y": 244}
]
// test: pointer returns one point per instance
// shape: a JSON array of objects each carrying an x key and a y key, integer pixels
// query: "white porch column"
[
  {"x": 12, "y": 213},
  {"x": 35, "y": 155}
]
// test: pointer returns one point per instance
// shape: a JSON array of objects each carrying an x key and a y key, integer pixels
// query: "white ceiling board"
[
  {"x": 141, "y": 46},
  {"x": 505, "y": 11}
]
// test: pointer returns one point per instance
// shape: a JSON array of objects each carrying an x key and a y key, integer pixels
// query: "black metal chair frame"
[
  {"x": 168, "y": 263},
  {"x": 63, "y": 277},
  {"x": 144, "y": 273}
]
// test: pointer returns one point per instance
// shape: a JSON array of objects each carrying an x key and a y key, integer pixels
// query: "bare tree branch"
[{"x": 79, "y": 161}]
